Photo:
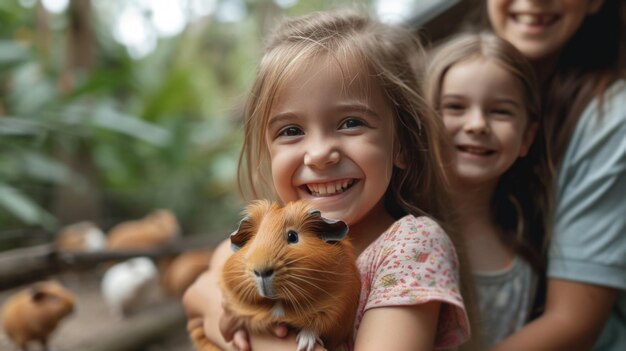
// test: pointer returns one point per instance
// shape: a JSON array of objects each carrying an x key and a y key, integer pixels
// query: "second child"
[{"x": 485, "y": 91}]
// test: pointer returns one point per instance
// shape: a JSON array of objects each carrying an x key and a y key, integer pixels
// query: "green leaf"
[
  {"x": 20, "y": 126},
  {"x": 11, "y": 52},
  {"x": 39, "y": 166},
  {"x": 132, "y": 126},
  {"x": 24, "y": 208}
]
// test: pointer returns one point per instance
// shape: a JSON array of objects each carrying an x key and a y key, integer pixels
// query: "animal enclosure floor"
[{"x": 92, "y": 326}]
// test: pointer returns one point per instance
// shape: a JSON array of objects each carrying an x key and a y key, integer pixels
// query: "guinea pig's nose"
[{"x": 264, "y": 273}]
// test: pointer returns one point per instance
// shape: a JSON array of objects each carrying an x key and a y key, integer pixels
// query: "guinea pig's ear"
[
  {"x": 37, "y": 294},
  {"x": 241, "y": 236},
  {"x": 329, "y": 230}
]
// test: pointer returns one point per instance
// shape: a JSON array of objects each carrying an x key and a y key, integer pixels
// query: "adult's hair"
[{"x": 521, "y": 201}]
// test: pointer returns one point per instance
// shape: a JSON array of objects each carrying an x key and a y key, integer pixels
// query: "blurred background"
[{"x": 110, "y": 109}]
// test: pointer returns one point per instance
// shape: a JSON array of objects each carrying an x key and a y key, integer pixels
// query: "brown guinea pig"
[
  {"x": 31, "y": 315},
  {"x": 183, "y": 270},
  {"x": 158, "y": 228},
  {"x": 291, "y": 266}
]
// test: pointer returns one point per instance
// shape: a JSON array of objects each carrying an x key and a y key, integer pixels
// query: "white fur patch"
[{"x": 306, "y": 340}]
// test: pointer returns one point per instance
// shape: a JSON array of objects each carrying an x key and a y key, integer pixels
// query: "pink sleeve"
[{"x": 415, "y": 262}]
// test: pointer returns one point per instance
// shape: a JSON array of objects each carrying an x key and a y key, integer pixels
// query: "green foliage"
[{"x": 126, "y": 136}]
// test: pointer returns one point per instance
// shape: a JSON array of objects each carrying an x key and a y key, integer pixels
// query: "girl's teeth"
[{"x": 329, "y": 188}]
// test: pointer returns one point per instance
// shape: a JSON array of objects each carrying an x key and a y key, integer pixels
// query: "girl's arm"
[
  {"x": 399, "y": 328},
  {"x": 574, "y": 316},
  {"x": 203, "y": 299}
]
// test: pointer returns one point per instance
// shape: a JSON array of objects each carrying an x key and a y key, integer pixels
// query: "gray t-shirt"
[
  {"x": 505, "y": 299},
  {"x": 589, "y": 234}
]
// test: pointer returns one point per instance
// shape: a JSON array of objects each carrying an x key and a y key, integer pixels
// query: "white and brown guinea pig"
[
  {"x": 291, "y": 265},
  {"x": 81, "y": 236},
  {"x": 31, "y": 315}
]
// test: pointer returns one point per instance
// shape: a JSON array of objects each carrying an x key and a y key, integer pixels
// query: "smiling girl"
[
  {"x": 335, "y": 117},
  {"x": 485, "y": 92}
]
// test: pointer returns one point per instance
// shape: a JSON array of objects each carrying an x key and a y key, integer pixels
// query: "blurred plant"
[{"x": 89, "y": 132}]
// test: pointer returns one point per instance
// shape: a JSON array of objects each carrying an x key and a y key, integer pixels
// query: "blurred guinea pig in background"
[
  {"x": 183, "y": 270},
  {"x": 293, "y": 266},
  {"x": 82, "y": 236},
  {"x": 158, "y": 228},
  {"x": 130, "y": 285},
  {"x": 32, "y": 315}
]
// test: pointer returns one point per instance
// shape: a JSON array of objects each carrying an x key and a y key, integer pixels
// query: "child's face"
[
  {"x": 330, "y": 141},
  {"x": 483, "y": 110},
  {"x": 539, "y": 29}
]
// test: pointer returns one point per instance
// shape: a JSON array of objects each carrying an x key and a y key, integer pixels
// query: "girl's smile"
[
  {"x": 483, "y": 109},
  {"x": 330, "y": 137}
]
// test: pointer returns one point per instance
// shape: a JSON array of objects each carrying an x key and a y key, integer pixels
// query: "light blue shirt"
[{"x": 589, "y": 234}]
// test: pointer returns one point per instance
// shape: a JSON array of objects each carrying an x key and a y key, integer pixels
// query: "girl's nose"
[
  {"x": 476, "y": 123},
  {"x": 321, "y": 155}
]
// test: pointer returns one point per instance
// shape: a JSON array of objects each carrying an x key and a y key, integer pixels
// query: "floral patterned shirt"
[{"x": 412, "y": 263}]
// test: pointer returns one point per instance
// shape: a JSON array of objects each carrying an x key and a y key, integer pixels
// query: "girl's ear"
[
  {"x": 594, "y": 6},
  {"x": 398, "y": 157},
  {"x": 528, "y": 138}
]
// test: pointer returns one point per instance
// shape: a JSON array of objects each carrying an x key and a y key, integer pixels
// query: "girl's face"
[
  {"x": 330, "y": 141},
  {"x": 484, "y": 112},
  {"x": 539, "y": 29}
]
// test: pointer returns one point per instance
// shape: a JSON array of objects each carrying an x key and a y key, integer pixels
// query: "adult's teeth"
[
  {"x": 528, "y": 19},
  {"x": 534, "y": 19}
]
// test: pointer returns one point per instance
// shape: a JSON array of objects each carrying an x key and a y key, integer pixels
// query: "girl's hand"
[{"x": 231, "y": 330}]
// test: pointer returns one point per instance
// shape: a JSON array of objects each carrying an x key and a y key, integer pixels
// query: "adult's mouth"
[{"x": 531, "y": 19}]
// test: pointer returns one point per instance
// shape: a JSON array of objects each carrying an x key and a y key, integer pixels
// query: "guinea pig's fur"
[
  {"x": 183, "y": 270},
  {"x": 158, "y": 228},
  {"x": 127, "y": 286},
  {"x": 32, "y": 314},
  {"x": 291, "y": 266},
  {"x": 81, "y": 236}
]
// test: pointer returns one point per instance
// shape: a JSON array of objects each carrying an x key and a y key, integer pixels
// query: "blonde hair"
[
  {"x": 522, "y": 201},
  {"x": 383, "y": 53}
]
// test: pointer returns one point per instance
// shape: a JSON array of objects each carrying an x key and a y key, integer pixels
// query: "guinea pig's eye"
[{"x": 292, "y": 237}]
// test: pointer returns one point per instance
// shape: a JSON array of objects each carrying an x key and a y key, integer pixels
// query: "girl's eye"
[
  {"x": 351, "y": 123},
  {"x": 502, "y": 112},
  {"x": 292, "y": 237},
  {"x": 452, "y": 107},
  {"x": 290, "y": 131}
]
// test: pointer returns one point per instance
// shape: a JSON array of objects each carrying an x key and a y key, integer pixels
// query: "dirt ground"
[{"x": 92, "y": 323}]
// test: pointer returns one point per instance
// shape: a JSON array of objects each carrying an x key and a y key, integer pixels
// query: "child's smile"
[{"x": 329, "y": 188}]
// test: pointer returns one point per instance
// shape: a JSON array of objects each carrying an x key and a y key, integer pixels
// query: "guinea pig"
[
  {"x": 158, "y": 228},
  {"x": 129, "y": 285},
  {"x": 32, "y": 314},
  {"x": 81, "y": 236},
  {"x": 183, "y": 270},
  {"x": 292, "y": 266}
]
